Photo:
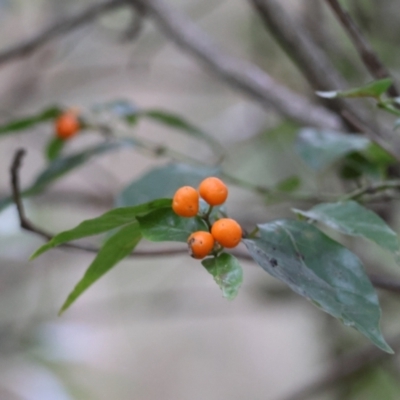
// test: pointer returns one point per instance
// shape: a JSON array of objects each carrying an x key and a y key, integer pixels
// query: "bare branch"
[
  {"x": 59, "y": 28},
  {"x": 239, "y": 74},
  {"x": 318, "y": 70},
  {"x": 370, "y": 59}
]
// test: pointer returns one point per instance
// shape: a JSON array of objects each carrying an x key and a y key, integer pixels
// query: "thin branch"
[
  {"x": 370, "y": 59},
  {"x": 239, "y": 74},
  {"x": 372, "y": 189},
  {"x": 344, "y": 368},
  {"x": 296, "y": 42},
  {"x": 89, "y": 15},
  {"x": 26, "y": 224}
]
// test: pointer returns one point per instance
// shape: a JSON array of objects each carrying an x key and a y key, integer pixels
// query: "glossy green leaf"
[
  {"x": 163, "y": 182},
  {"x": 227, "y": 273},
  {"x": 321, "y": 270},
  {"x": 104, "y": 223},
  {"x": 164, "y": 225},
  {"x": 20, "y": 124},
  {"x": 54, "y": 148},
  {"x": 351, "y": 218},
  {"x": 320, "y": 148},
  {"x": 116, "y": 248},
  {"x": 373, "y": 89}
]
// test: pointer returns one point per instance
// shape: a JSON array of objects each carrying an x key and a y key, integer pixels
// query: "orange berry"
[
  {"x": 227, "y": 232},
  {"x": 67, "y": 125},
  {"x": 213, "y": 191},
  {"x": 200, "y": 244},
  {"x": 186, "y": 202}
]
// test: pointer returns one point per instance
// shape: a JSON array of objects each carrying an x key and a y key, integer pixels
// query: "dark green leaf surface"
[
  {"x": 163, "y": 182},
  {"x": 320, "y": 148},
  {"x": 106, "y": 222},
  {"x": 322, "y": 270},
  {"x": 353, "y": 219},
  {"x": 373, "y": 89},
  {"x": 116, "y": 248},
  {"x": 227, "y": 273},
  {"x": 164, "y": 225},
  {"x": 21, "y": 124},
  {"x": 54, "y": 148}
]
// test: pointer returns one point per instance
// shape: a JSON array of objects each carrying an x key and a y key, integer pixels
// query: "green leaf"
[
  {"x": 289, "y": 184},
  {"x": 116, "y": 248},
  {"x": 227, "y": 273},
  {"x": 320, "y": 148},
  {"x": 321, "y": 270},
  {"x": 106, "y": 222},
  {"x": 163, "y": 182},
  {"x": 373, "y": 89},
  {"x": 353, "y": 219},
  {"x": 21, "y": 124},
  {"x": 62, "y": 166},
  {"x": 164, "y": 225},
  {"x": 54, "y": 148}
]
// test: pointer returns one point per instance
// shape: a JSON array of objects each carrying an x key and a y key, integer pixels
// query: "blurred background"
[{"x": 158, "y": 328}]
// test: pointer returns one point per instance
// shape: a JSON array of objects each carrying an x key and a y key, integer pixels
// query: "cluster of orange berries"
[
  {"x": 67, "y": 124},
  {"x": 225, "y": 232}
]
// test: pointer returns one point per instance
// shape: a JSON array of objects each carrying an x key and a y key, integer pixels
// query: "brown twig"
[
  {"x": 370, "y": 59},
  {"x": 344, "y": 368},
  {"x": 29, "y": 46},
  {"x": 26, "y": 224}
]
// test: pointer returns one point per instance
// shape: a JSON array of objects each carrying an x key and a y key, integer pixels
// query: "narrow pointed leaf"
[
  {"x": 321, "y": 148},
  {"x": 321, "y": 270},
  {"x": 227, "y": 273},
  {"x": 373, "y": 89},
  {"x": 353, "y": 219},
  {"x": 21, "y": 124},
  {"x": 54, "y": 148},
  {"x": 164, "y": 225},
  {"x": 116, "y": 248},
  {"x": 106, "y": 222},
  {"x": 163, "y": 182}
]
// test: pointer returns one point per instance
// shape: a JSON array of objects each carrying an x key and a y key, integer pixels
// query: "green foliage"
[
  {"x": 106, "y": 222},
  {"x": 353, "y": 219},
  {"x": 227, "y": 273},
  {"x": 115, "y": 249},
  {"x": 164, "y": 225},
  {"x": 296, "y": 252},
  {"x": 61, "y": 166},
  {"x": 54, "y": 148},
  {"x": 163, "y": 182},
  {"x": 373, "y": 89},
  {"x": 321, "y": 148},
  {"x": 21, "y": 124},
  {"x": 321, "y": 270}
]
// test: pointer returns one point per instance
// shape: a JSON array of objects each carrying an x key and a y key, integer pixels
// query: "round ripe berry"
[
  {"x": 200, "y": 244},
  {"x": 227, "y": 232},
  {"x": 185, "y": 202},
  {"x": 67, "y": 125},
  {"x": 213, "y": 191}
]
